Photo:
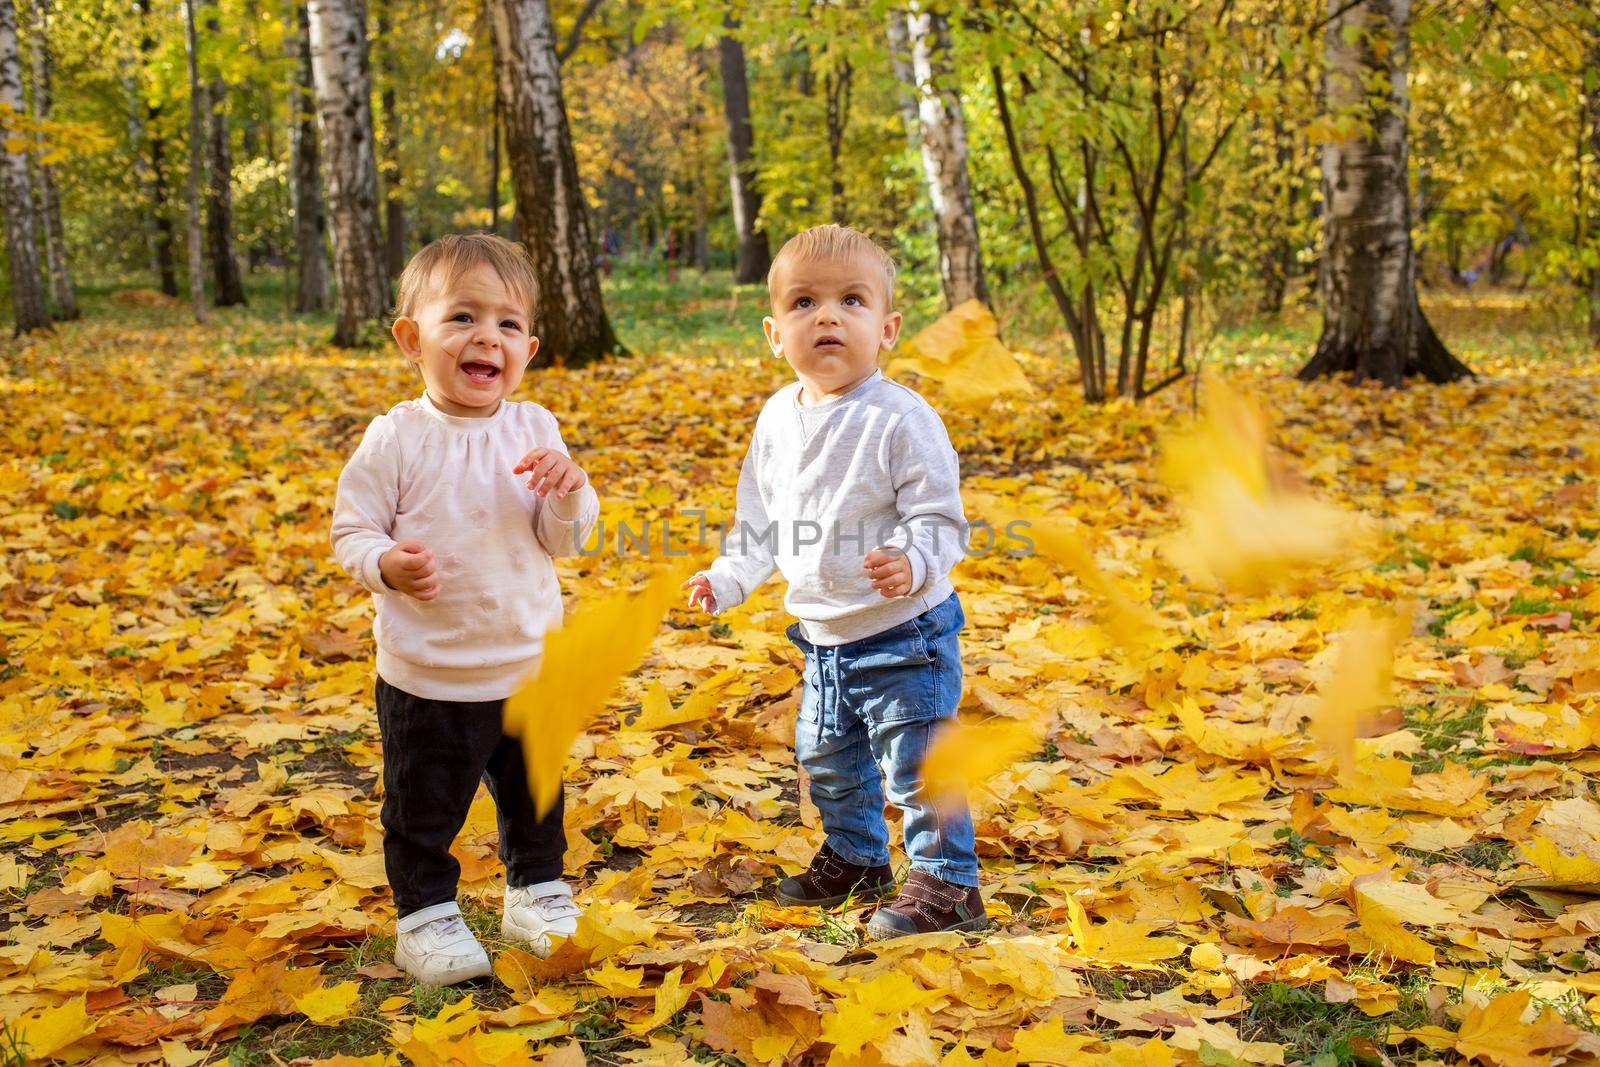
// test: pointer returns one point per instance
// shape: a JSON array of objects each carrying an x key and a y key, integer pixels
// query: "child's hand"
[
  {"x": 551, "y": 469},
  {"x": 890, "y": 570},
  {"x": 409, "y": 568},
  {"x": 700, "y": 594}
]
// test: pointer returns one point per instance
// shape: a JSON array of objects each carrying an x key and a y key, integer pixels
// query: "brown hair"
[
  {"x": 439, "y": 265},
  {"x": 832, "y": 241}
]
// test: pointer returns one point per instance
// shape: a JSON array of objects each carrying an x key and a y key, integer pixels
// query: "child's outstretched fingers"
[
  {"x": 700, "y": 594},
  {"x": 527, "y": 461},
  {"x": 537, "y": 465}
]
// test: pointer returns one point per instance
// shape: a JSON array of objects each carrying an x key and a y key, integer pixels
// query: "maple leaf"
[
  {"x": 670, "y": 997},
  {"x": 1361, "y": 681},
  {"x": 1132, "y": 624},
  {"x": 1245, "y": 523},
  {"x": 1580, "y": 872},
  {"x": 962, "y": 351},
  {"x": 1382, "y": 905},
  {"x": 1120, "y": 943},
  {"x": 270, "y": 989},
  {"x": 1495, "y": 1034},
  {"x": 582, "y": 663},
  {"x": 329, "y": 1004},
  {"x": 965, "y": 754},
  {"x": 41, "y": 1033}
]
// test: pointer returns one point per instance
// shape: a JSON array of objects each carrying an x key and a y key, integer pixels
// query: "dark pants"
[{"x": 434, "y": 753}]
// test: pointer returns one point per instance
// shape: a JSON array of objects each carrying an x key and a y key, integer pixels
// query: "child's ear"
[
  {"x": 533, "y": 348},
  {"x": 407, "y": 337},
  {"x": 891, "y": 331},
  {"x": 770, "y": 326}
]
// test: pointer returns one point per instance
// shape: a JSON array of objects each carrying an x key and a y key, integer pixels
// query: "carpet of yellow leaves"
[{"x": 1209, "y": 856}]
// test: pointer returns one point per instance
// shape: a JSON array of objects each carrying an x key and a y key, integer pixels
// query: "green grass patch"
[{"x": 1320, "y": 1034}]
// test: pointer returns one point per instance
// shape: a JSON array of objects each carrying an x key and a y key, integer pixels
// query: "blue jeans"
[{"x": 867, "y": 715}]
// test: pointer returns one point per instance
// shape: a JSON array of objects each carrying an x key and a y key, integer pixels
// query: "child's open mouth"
[
  {"x": 482, "y": 373},
  {"x": 829, "y": 343}
]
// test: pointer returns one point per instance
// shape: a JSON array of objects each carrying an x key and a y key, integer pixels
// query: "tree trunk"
[
  {"x": 28, "y": 304},
  {"x": 197, "y": 273},
  {"x": 141, "y": 169},
  {"x": 164, "y": 234},
  {"x": 394, "y": 210},
  {"x": 1372, "y": 324},
  {"x": 219, "y": 205},
  {"x": 344, "y": 112},
  {"x": 552, "y": 218},
  {"x": 836, "y": 91},
  {"x": 944, "y": 158},
  {"x": 495, "y": 123},
  {"x": 755, "y": 255},
  {"x": 1591, "y": 105},
  {"x": 905, "y": 78},
  {"x": 55, "y": 243},
  {"x": 305, "y": 174}
]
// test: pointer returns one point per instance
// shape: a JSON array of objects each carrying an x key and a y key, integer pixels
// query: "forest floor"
[{"x": 189, "y": 853}]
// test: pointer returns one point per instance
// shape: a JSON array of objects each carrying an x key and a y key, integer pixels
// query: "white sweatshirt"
[
  {"x": 444, "y": 480},
  {"x": 824, "y": 484}
]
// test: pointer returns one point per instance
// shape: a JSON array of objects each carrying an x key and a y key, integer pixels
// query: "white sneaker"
[
  {"x": 435, "y": 947},
  {"x": 538, "y": 913}
]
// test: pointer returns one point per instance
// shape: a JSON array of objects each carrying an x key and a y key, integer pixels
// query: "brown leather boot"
[
  {"x": 926, "y": 904},
  {"x": 830, "y": 880}
]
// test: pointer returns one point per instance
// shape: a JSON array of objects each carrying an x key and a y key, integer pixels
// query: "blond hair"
[
  {"x": 440, "y": 264},
  {"x": 832, "y": 241}
]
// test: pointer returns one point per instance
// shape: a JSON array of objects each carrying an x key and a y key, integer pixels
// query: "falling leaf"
[
  {"x": 963, "y": 755},
  {"x": 1361, "y": 681},
  {"x": 582, "y": 663},
  {"x": 1246, "y": 524}
]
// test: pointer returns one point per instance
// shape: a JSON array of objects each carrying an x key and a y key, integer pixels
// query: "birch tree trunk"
[
  {"x": 394, "y": 209},
  {"x": 305, "y": 174},
  {"x": 197, "y": 273},
  {"x": 944, "y": 158},
  {"x": 1372, "y": 324},
  {"x": 219, "y": 204},
  {"x": 344, "y": 118},
  {"x": 55, "y": 243},
  {"x": 1591, "y": 107},
  {"x": 28, "y": 304},
  {"x": 905, "y": 77},
  {"x": 755, "y": 254},
  {"x": 552, "y": 218}
]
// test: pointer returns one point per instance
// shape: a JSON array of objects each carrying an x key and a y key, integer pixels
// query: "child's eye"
[
  {"x": 511, "y": 324},
  {"x": 803, "y": 302},
  {"x": 853, "y": 299},
  {"x": 461, "y": 316}
]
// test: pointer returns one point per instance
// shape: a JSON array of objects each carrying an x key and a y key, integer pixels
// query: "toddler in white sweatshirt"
[
  {"x": 852, "y": 492},
  {"x": 449, "y": 513}
]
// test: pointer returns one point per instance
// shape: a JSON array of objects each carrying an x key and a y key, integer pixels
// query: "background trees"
[{"x": 1125, "y": 176}]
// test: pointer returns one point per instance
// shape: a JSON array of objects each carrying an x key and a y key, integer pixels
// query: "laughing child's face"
[{"x": 471, "y": 342}]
